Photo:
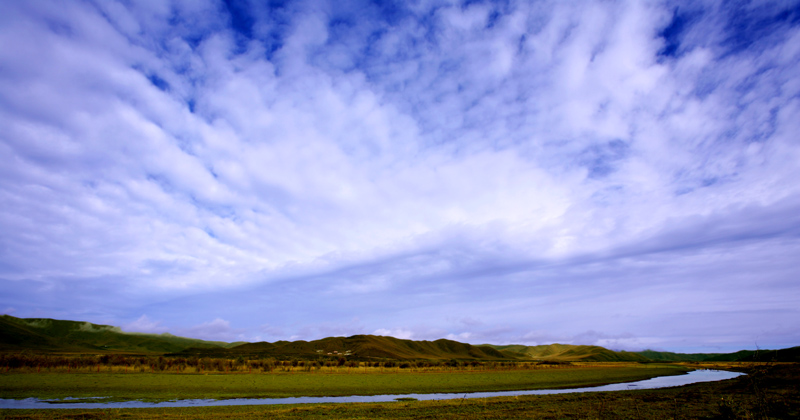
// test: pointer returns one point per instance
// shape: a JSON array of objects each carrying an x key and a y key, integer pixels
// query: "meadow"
[
  {"x": 56, "y": 359},
  {"x": 767, "y": 392},
  {"x": 365, "y": 380}
]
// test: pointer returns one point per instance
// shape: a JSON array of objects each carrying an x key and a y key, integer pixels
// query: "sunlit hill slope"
[
  {"x": 363, "y": 346},
  {"x": 51, "y": 335},
  {"x": 567, "y": 352},
  {"x": 58, "y": 336}
]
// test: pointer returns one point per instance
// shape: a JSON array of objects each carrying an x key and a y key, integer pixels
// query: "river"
[{"x": 695, "y": 376}]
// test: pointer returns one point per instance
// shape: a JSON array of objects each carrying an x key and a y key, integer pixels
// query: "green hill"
[
  {"x": 791, "y": 354},
  {"x": 16, "y": 336},
  {"x": 665, "y": 356},
  {"x": 569, "y": 352},
  {"x": 572, "y": 353},
  {"x": 51, "y": 335},
  {"x": 59, "y": 336},
  {"x": 362, "y": 346}
]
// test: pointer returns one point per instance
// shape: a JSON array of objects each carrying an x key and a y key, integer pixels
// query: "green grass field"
[
  {"x": 166, "y": 386},
  {"x": 765, "y": 393}
]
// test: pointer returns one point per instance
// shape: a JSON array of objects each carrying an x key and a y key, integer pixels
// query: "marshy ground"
[{"x": 768, "y": 391}]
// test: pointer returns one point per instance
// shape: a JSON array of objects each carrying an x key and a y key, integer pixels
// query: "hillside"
[
  {"x": 59, "y": 336},
  {"x": 572, "y": 353},
  {"x": 51, "y": 335},
  {"x": 665, "y": 356},
  {"x": 17, "y": 336},
  {"x": 791, "y": 354},
  {"x": 363, "y": 346}
]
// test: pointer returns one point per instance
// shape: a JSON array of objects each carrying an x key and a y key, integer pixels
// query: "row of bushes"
[{"x": 161, "y": 363}]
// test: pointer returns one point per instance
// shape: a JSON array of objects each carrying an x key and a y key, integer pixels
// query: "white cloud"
[
  {"x": 359, "y": 152},
  {"x": 145, "y": 325},
  {"x": 216, "y": 330},
  {"x": 400, "y": 333},
  {"x": 463, "y": 337}
]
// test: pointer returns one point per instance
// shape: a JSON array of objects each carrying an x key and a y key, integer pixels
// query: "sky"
[{"x": 613, "y": 173}]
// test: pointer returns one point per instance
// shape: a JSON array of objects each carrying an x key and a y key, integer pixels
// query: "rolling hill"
[
  {"x": 569, "y": 352},
  {"x": 791, "y": 354},
  {"x": 363, "y": 346},
  {"x": 59, "y": 336},
  {"x": 665, "y": 356},
  {"x": 573, "y": 353},
  {"x": 51, "y": 335}
]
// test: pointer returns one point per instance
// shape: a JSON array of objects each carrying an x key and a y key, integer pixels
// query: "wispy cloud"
[
  {"x": 218, "y": 329},
  {"x": 543, "y": 169},
  {"x": 145, "y": 325}
]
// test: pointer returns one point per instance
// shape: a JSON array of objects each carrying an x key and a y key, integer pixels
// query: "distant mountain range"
[{"x": 58, "y": 336}]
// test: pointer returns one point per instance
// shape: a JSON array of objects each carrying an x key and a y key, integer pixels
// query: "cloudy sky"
[{"x": 617, "y": 173}]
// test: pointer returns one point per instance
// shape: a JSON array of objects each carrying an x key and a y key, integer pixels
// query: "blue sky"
[{"x": 613, "y": 173}]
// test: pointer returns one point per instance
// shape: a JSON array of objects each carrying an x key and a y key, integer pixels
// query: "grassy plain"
[
  {"x": 170, "y": 386},
  {"x": 768, "y": 392}
]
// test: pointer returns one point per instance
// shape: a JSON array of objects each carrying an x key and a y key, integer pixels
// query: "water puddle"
[{"x": 692, "y": 377}]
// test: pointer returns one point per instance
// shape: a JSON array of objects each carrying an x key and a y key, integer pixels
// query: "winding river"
[{"x": 692, "y": 377}]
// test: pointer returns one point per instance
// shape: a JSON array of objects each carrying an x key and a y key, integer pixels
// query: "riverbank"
[
  {"x": 695, "y": 376},
  {"x": 766, "y": 392},
  {"x": 163, "y": 387}
]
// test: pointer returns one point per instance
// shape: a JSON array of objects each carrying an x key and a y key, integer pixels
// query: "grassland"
[
  {"x": 50, "y": 359},
  {"x": 169, "y": 386},
  {"x": 768, "y": 392}
]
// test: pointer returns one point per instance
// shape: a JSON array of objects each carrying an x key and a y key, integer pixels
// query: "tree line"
[{"x": 143, "y": 363}]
